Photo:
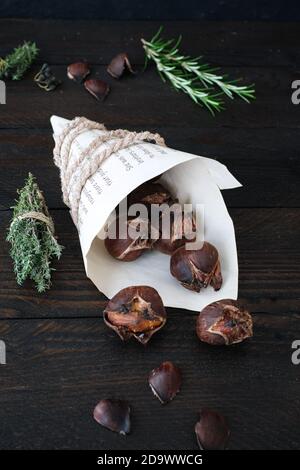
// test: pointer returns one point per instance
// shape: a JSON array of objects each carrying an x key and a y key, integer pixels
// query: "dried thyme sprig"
[
  {"x": 191, "y": 76},
  {"x": 14, "y": 65},
  {"x": 33, "y": 243}
]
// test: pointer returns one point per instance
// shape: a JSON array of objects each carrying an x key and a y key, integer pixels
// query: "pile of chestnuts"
[
  {"x": 138, "y": 311},
  {"x": 193, "y": 268}
]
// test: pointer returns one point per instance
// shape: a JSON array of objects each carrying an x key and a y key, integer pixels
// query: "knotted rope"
[{"x": 75, "y": 171}]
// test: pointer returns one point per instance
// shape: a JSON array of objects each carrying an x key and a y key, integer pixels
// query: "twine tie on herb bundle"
[
  {"x": 38, "y": 216},
  {"x": 75, "y": 171}
]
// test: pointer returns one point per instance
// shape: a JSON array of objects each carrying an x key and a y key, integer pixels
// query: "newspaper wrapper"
[{"x": 192, "y": 179}]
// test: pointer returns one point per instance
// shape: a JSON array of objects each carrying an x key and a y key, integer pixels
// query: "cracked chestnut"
[
  {"x": 181, "y": 229},
  {"x": 113, "y": 415},
  {"x": 150, "y": 193},
  {"x": 212, "y": 431},
  {"x": 128, "y": 238},
  {"x": 135, "y": 311},
  {"x": 165, "y": 381},
  {"x": 195, "y": 269},
  {"x": 223, "y": 323},
  {"x": 78, "y": 71}
]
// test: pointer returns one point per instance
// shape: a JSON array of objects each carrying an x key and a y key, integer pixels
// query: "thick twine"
[{"x": 87, "y": 162}]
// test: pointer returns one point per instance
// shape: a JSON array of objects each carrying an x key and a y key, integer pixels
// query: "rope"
[
  {"x": 75, "y": 172},
  {"x": 38, "y": 216}
]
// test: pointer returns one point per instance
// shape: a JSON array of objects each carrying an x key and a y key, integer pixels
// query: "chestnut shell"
[
  {"x": 135, "y": 311},
  {"x": 113, "y": 415},
  {"x": 78, "y": 71},
  {"x": 224, "y": 322},
  {"x": 195, "y": 269},
  {"x": 165, "y": 381},
  {"x": 118, "y": 64},
  {"x": 212, "y": 431},
  {"x": 97, "y": 88}
]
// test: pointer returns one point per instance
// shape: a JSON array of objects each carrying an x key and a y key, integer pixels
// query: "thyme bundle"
[{"x": 32, "y": 239}]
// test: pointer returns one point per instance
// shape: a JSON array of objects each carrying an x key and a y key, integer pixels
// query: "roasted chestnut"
[
  {"x": 128, "y": 238},
  {"x": 150, "y": 193},
  {"x": 224, "y": 323},
  {"x": 195, "y": 269},
  {"x": 165, "y": 381},
  {"x": 136, "y": 311},
  {"x": 180, "y": 228},
  {"x": 78, "y": 71},
  {"x": 212, "y": 431},
  {"x": 119, "y": 64},
  {"x": 113, "y": 415}
]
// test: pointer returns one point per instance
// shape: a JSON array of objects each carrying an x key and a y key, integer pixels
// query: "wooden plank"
[
  {"x": 222, "y": 43},
  {"x": 145, "y": 101},
  {"x": 262, "y": 159},
  {"x": 267, "y": 239},
  {"x": 58, "y": 370}
]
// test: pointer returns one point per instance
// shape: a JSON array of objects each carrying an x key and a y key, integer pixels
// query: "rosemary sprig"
[
  {"x": 15, "y": 64},
  {"x": 33, "y": 244},
  {"x": 189, "y": 75}
]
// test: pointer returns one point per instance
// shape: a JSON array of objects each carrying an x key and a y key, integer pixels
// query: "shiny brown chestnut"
[
  {"x": 135, "y": 311},
  {"x": 195, "y": 269},
  {"x": 165, "y": 381},
  {"x": 212, "y": 431},
  {"x": 128, "y": 238},
  {"x": 181, "y": 230},
  {"x": 113, "y": 415},
  {"x": 78, "y": 71},
  {"x": 97, "y": 88},
  {"x": 119, "y": 64},
  {"x": 223, "y": 323}
]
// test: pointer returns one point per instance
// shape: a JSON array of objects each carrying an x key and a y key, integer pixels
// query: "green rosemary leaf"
[
  {"x": 33, "y": 244},
  {"x": 196, "y": 79},
  {"x": 14, "y": 65}
]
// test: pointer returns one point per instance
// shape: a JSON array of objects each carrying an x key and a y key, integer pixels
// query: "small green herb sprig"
[
  {"x": 198, "y": 80},
  {"x": 14, "y": 65},
  {"x": 33, "y": 244}
]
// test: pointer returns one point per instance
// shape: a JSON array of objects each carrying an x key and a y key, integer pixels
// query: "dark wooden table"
[{"x": 61, "y": 359}]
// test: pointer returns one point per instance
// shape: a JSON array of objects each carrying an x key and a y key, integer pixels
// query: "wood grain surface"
[{"x": 61, "y": 358}]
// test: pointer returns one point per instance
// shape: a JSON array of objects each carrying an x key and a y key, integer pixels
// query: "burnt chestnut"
[
  {"x": 135, "y": 311},
  {"x": 182, "y": 230},
  {"x": 78, "y": 71},
  {"x": 165, "y": 381},
  {"x": 212, "y": 431},
  {"x": 224, "y": 323},
  {"x": 113, "y": 415},
  {"x": 119, "y": 63},
  {"x": 97, "y": 88},
  {"x": 137, "y": 233},
  {"x": 195, "y": 269}
]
